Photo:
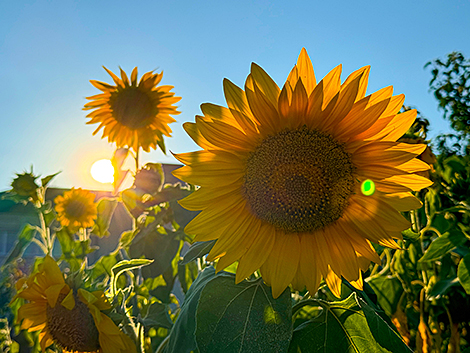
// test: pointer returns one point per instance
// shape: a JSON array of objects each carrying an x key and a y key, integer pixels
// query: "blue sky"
[{"x": 49, "y": 50}]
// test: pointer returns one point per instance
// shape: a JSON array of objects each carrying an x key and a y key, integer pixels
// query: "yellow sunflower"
[
  {"x": 280, "y": 175},
  {"x": 76, "y": 208},
  {"x": 69, "y": 317},
  {"x": 133, "y": 114}
]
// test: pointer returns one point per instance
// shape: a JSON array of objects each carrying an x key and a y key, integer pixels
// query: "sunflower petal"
[
  {"x": 257, "y": 253},
  {"x": 305, "y": 71},
  {"x": 281, "y": 265}
]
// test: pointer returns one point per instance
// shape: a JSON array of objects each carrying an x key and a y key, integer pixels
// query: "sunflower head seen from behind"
[
  {"x": 133, "y": 114},
  {"x": 69, "y": 317},
  {"x": 76, "y": 208},
  {"x": 280, "y": 173}
]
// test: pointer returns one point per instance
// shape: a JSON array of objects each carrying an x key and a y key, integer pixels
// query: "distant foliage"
[{"x": 450, "y": 84}]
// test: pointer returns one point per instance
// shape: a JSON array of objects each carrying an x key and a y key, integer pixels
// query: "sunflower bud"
[{"x": 25, "y": 185}]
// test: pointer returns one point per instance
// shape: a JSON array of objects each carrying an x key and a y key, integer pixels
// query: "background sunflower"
[
  {"x": 76, "y": 208},
  {"x": 133, "y": 114}
]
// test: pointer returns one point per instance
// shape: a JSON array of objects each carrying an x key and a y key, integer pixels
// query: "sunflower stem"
[
  {"x": 45, "y": 234},
  {"x": 41, "y": 245},
  {"x": 163, "y": 344},
  {"x": 137, "y": 159}
]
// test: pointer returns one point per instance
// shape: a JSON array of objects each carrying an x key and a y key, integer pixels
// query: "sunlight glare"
[{"x": 103, "y": 171}]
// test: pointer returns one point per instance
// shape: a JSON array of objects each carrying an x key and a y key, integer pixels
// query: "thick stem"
[{"x": 45, "y": 233}]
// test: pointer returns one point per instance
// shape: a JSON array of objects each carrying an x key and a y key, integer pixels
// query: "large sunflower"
[
  {"x": 69, "y": 317},
  {"x": 76, "y": 208},
  {"x": 280, "y": 176},
  {"x": 133, "y": 114}
]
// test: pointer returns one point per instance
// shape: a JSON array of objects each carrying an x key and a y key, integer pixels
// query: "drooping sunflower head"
[
  {"x": 280, "y": 175},
  {"x": 70, "y": 318},
  {"x": 150, "y": 178},
  {"x": 76, "y": 208},
  {"x": 133, "y": 114}
]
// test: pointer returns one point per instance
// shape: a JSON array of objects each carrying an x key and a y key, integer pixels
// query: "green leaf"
[
  {"x": 126, "y": 239},
  {"x": 198, "y": 249},
  {"x": 349, "y": 325},
  {"x": 388, "y": 290},
  {"x": 441, "y": 223},
  {"x": 440, "y": 287},
  {"x": 106, "y": 208},
  {"x": 103, "y": 266},
  {"x": 133, "y": 202},
  {"x": 161, "y": 142},
  {"x": 170, "y": 192},
  {"x": 24, "y": 239},
  {"x": 432, "y": 197},
  {"x": 408, "y": 234},
  {"x": 463, "y": 272},
  {"x": 157, "y": 316},
  {"x": 83, "y": 248},
  {"x": 242, "y": 317},
  {"x": 163, "y": 292},
  {"x": 305, "y": 313},
  {"x": 443, "y": 244},
  {"x": 181, "y": 339},
  {"x": 187, "y": 274},
  {"x": 46, "y": 180},
  {"x": 125, "y": 265},
  {"x": 49, "y": 216},
  {"x": 66, "y": 241},
  {"x": 128, "y": 265},
  {"x": 161, "y": 248}
]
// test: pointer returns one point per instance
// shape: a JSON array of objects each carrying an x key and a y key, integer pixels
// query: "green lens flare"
[{"x": 368, "y": 187}]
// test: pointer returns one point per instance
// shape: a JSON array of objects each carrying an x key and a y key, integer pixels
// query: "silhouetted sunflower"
[
  {"x": 133, "y": 114},
  {"x": 280, "y": 175}
]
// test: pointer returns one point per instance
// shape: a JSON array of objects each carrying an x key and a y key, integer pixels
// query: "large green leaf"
[
  {"x": 182, "y": 338},
  {"x": 198, "y": 249},
  {"x": 443, "y": 244},
  {"x": 163, "y": 292},
  {"x": 242, "y": 317},
  {"x": 106, "y": 208},
  {"x": 388, "y": 290},
  {"x": 346, "y": 326},
  {"x": 463, "y": 272},
  {"x": 24, "y": 239},
  {"x": 161, "y": 248}
]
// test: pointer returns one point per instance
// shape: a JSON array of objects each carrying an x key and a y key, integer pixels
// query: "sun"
[{"x": 103, "y": 171}]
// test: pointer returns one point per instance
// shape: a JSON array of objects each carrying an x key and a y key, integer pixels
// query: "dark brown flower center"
[
  {"x": 74, "y": 329},
  {"x": 76, "y": 209},
  {"x": 132, "y": 107},
  {"x": 299, "y": 180}
]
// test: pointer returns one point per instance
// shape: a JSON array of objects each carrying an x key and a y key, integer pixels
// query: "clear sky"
[{"x": 49, "y": 50}]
